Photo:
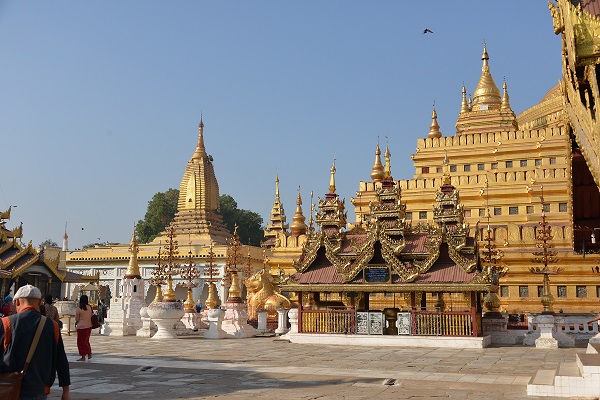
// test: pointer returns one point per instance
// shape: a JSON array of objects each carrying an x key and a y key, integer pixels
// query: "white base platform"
[
  {"x": 580, "y": 379},
  {"x": 389, "y": 340}
]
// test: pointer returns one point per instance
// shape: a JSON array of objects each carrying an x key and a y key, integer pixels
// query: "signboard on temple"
[{"x": 379, "y": 274}]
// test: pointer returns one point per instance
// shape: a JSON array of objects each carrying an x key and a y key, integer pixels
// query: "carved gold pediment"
[
  {"x": 310, "y": 250},
  {"x": 581, "y": 27}
]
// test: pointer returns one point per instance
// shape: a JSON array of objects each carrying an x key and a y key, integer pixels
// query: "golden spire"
[
  {"x": 505, "y": 98},
  {"x": 377, "y": 169},
  {"x": 200, "y": 149},
  {"x": 277, "y": 220},
  {"x": 446, "y": 177},
  {"x": 434, "y": 128},
  {"x": 464, "y": 106},
  {"x": 332, "y": 178},
  {"x": 133, "y": 270},
  {"x": 298, "y": 227},
  {"x": 387, "y": 171},
  {"x": 199, "y": 198},
  {"x": 487, "y": 93}
]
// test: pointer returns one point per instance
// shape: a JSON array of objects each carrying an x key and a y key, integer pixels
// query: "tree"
[
  {"x": 161, "y": 210},
  {"x": 89, "y": 245},
  {"x": 48, "y": 243},
  {"x": 248, "y": 222},
  {"x": 163, "y": 206}
]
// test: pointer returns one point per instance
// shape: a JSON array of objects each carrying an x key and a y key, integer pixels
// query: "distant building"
[{"x": 22, "y": 264}]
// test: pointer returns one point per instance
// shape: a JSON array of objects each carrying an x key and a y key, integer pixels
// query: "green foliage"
[
  {"x": 87, "y": 246},
  {"x": 48, "y": 243},
  {"x": 161, "y": 210},
  {"x": 163, "y": 206},
  {"x": 248, "y": 222}
]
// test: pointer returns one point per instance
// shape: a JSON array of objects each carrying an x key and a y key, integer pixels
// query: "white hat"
[{"x": 29, "y": 292}]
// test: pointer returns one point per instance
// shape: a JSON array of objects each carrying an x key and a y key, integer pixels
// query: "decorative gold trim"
[{"x": 387, "y": 287}]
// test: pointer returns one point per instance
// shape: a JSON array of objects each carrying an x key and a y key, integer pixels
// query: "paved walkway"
[{"x": 264, "y": 368}]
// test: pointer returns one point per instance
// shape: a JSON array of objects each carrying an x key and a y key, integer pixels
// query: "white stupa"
[{"x": 124, "y": 317}]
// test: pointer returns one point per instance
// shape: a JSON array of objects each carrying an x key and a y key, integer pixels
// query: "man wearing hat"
[{"x": 16, "y": 336}]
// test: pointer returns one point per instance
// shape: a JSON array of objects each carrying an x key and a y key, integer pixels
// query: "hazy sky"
[{"x": 100, "y": 101}]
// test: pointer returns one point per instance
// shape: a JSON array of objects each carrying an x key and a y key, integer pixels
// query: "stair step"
[
  {"x": 589, "y": 360},
  {"x": 593, "y": 348},
  {"x": 568, "y": 369},
  {"x": 543, "y": 377}
]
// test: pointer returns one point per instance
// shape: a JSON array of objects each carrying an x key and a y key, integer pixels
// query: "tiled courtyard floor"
[{"x": 264, "y": 368}]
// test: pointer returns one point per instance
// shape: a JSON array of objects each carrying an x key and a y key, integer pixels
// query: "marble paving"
[{"x": 264, "y": 368}]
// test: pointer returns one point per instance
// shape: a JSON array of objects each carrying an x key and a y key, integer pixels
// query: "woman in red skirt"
[{"x": 83, "y": 323}]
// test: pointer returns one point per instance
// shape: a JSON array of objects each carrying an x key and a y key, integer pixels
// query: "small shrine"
[
  {"x": 386, "y": 275},
  {"x": 124, "y": 318},
  {"x": 235, "y": 320}
]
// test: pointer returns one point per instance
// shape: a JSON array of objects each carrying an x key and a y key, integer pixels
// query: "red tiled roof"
[
  {"x": 5, "y": 256},
  {"x": 442, "y": 272},
  {"x": 22, "y": 261},
  {"x": 591, "y": 6},
  {"x": 415, "y": 243},
  {"x": 350, "y": 241},
  {"x": 319, "y": 274}
]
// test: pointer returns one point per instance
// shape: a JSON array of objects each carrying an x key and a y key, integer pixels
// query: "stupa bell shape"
[
  {"x": 486, "y": 95},
  {"x": 298, "y": 227},
  {"x": 487, "y": 111},
  {"x": 434, "y": 128},
  {"x": 377, "y": 169}
]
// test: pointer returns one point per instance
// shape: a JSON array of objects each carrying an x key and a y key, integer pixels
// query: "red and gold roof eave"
[{"x": 386, "y": 287}]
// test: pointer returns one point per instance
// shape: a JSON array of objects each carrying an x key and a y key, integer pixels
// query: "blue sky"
[{"x": 100, "y": 101}]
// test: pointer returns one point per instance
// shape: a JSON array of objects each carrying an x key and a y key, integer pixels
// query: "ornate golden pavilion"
[
  {"x": 385, "y": 263},
  {"x": 512, "y": 166}
]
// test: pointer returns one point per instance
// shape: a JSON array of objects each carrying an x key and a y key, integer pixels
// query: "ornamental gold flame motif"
[
  {"x": 190, "y": 274},
  {"x": 546, "y": 256},
  {"x": 158, "y": 277},
  {"x": 232, "y": 268},
  {"x": 171, "y": 263},
  {"x": 491, "y": 256}
]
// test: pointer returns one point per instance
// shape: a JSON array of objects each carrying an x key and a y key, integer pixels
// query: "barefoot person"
[{"x": 83, "y": 323}]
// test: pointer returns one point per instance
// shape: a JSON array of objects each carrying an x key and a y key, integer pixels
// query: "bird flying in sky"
[{"x": 427, "y": 30}]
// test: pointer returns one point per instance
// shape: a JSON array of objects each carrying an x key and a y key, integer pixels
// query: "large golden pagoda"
[
  {"x": 500, "y": 162},
  {"x": 202, "y": 235},
  {"x": 197, "y": 215}
]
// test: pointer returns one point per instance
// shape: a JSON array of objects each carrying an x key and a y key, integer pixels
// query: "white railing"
[{"x": 575, "y": 325}]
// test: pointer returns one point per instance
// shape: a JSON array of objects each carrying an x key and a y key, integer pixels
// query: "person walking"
[
  {"x": 83, "y": 323},
  {"x": 49, "y": 359},
  {"x": 50, "y": 311}
]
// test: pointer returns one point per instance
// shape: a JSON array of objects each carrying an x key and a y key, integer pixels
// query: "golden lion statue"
[{"x": 262, "y": 295}]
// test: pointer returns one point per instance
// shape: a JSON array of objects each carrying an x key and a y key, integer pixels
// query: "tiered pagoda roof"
[
  {"x": 388, "y": 253},
  {"x": 198, "y": 201}
]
